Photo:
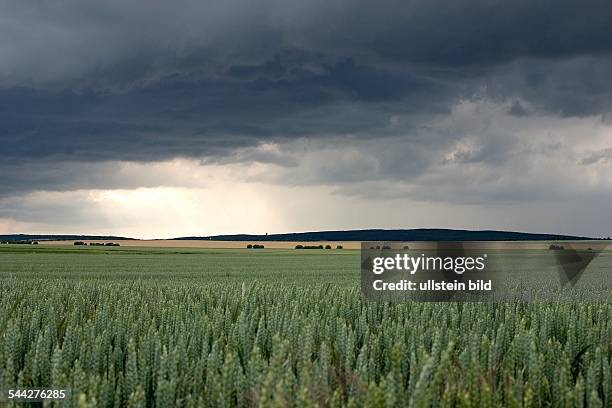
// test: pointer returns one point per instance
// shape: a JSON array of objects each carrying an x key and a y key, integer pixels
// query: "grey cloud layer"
[
  {"x": 147, "y": 81},
  {"x": 45, "y": 41}
]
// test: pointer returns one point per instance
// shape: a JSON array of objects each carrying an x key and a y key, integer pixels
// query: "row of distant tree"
[
  {"x": 258, "y": 246},
  {"x": 299, "y": 246},
  {"x": 317, "y": 247},
  {"x": 96, "y": 243}
]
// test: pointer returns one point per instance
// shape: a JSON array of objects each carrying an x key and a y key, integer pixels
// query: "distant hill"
[
  {"x": 394, "y": 235},
  {"x": 350, "y": 235},
  {"x": 27, "y": 237}
]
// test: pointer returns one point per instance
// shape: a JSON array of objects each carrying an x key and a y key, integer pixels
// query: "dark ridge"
[
  {"x": 27, "y": 237},
  {"x": 394, "y": 235}
]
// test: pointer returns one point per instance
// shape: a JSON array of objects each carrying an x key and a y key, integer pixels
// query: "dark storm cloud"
[
  {"x": 148, "y": 81},
  {"x": 477, "y": 32},
  {"x": 570, "y": 87},
  {"x": 184, "y": 116},
  {"x": 128, "y": 40}
]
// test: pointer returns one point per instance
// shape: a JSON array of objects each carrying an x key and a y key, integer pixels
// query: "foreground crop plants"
[{"x": 118, "y": 330}]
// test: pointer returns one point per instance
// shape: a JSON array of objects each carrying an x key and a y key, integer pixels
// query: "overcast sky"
[{"x": 189, "y": 117}]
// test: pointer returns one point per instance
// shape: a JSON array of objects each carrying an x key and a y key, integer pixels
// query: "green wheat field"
[{"x": 148, "y": 327}]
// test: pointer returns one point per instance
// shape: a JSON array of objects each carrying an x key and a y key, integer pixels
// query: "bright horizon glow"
[{"x": 172, "y": 212}]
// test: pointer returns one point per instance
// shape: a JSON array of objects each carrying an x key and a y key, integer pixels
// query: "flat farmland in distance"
[
  {"x": 201, "y": 243},
  {"x": 172, "y": 243},
  {"x": 199, "y": 265}
]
